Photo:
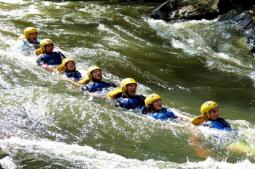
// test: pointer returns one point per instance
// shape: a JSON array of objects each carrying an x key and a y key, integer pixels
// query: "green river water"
[{"x": 47, "y": 123}]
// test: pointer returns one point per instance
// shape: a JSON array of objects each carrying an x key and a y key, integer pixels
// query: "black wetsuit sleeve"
[
  {"x": 113, "y": 85},
  {"x": 142, "y": 97},
  {"x": 142, "y": 100}
]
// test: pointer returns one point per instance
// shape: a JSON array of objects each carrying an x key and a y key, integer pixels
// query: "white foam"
[
  {"x": 213, "y": 164},
  {"x": 252, "y": 76},
  {"x": 181, "y": 36},
  {"x": 87, "y": 156},
  {"x": 12, "y": 1},
  {"x": 7, "y": 163},
  {"x": 226, "y": 57}
]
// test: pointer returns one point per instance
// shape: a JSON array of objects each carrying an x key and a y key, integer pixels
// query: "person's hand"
[
  {"x": 44, "y": 66},
  {"x": 48, "y": 68}
]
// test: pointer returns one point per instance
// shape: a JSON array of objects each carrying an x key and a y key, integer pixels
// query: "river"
[{"x": 47, "y": 123}]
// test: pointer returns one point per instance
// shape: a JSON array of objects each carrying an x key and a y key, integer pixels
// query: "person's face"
[
  {"x": 49, "y": 48},
  {"x": 131, "y": 89},
  {"x": 32, "y": 37},
  {"x": 70, "y": 66},
  {"x": 97, "y": 74},
  {"x": 214, "y": 113},
  {"x": 157, "y": 105}
]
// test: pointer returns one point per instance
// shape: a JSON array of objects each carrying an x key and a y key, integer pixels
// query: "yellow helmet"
[
  {"x": 45, "y": 42},
  {"x": 62, "y": 66},
  {"x": 29, "y": 30},
  {"x": 151, "y": 98},
  {"x": 207, "y": 106},
  {"x": 91, "y": 69},
  {"x": 126, "y": 82}
]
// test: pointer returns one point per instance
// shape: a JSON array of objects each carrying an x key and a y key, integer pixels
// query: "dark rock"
[
  {"x": 186, "y": 9},
  {"x": 197, "y": 9},
  {"x": 226, "y": 5},
  {"x": 3, "y": 154},
  {"x": 241, "y": 13},
  {"x": 244, "y": 22},
  {"x": 128, "y": 1},
  {"x": 150, "y": 1},
  {"x": 162, "y": 11}
]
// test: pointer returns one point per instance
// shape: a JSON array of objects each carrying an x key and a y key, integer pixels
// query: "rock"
[
  {"x": 186, "y": 9},
  {"x": 3, "y": 154},
  {"x": 244, "y": 21},
  {"x": 150, "y": 1},
  {"x": 226, "y": 5},
  {"x": 196, "y": 9},
  {"x": 239, "y": 12}
]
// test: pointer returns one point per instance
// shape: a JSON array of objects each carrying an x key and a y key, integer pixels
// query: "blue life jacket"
[
  {"x": 164, "y": 114},
  {"x": 135, "y": 102},
  {"x": 97, "y": 86},
  {"x": 54, "y": 58},
  {"x": 219, "y": 123},
  {"x": 75, "y": 75},
  {"x": 26, "y": 46}
]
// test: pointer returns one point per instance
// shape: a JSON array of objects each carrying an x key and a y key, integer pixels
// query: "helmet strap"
[{"x": 206, "y": 116}]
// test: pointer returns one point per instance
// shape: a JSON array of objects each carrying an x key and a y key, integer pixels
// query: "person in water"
[
  {"x": 28, "y": 42},
  {"x": 69, "y": 69},
  {"x": 126, "y": 96},
  {"x": 210, "y": 117},
  {"x": 49, "y": 59},
  {"x": 93, "y": 82},
  {"x": 154, "y": 109}
]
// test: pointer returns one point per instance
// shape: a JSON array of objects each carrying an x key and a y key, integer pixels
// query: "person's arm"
[
  {"x": 48, "y": 68},
  {"x": 85, "y": 88},
  {"x": 183, "y": 117},
  {"x": 40, "y": 61},
  {"x": 62, "y": 55},
  {"x": 118, "y": 102},
  {"x": 77, "y": 76},
  {"x": 195, "y": 142},
  {"x": 113, "y": 85},
  {"x": 170, "y": 114},
  {"x": 72, "y": 82}
]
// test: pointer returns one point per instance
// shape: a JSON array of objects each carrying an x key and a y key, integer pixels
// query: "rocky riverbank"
[{"x": 240, "y": 13}]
